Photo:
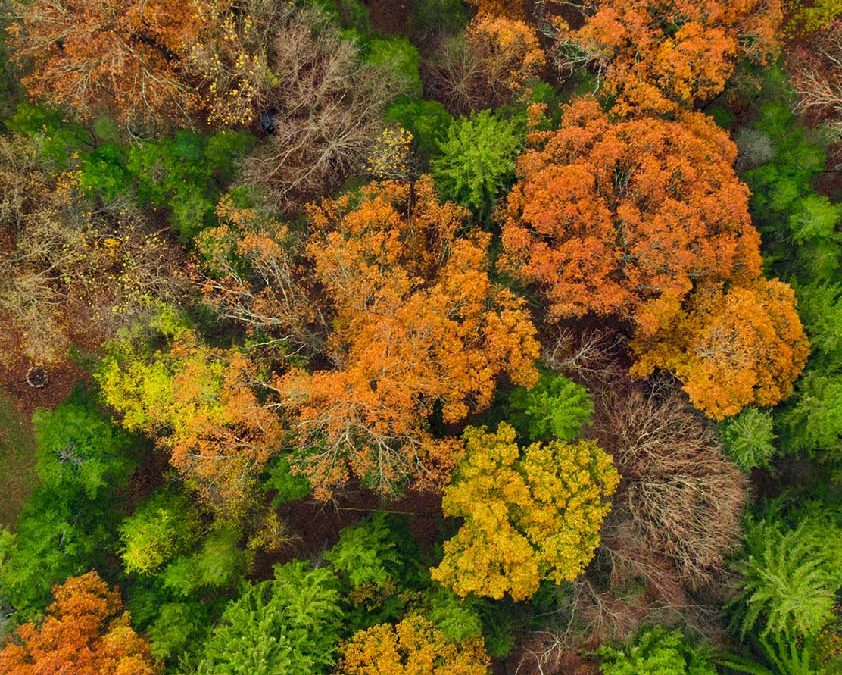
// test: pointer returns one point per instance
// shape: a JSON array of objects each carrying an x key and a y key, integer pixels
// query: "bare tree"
[{"x": 679, "y": 493}]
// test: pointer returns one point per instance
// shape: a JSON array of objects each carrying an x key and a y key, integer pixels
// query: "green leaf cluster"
[
  {"x": 290, "y": 624},
  {"x": 555, "y": 408},
  {"x": 657, "y": 651}
]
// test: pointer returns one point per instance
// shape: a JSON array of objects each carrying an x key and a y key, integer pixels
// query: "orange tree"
[
  {"x": 418, "y": 328},
  {"x": 412, "y": 647},
  {"x": 731, "y": 349},
  {"x": 122, "y": 56},
  {"x": 657, "y": 54},
  {"x": 84, "y": 633},
  {"x": 530, "y": 514},
  {"x": 609, "y": 216}
]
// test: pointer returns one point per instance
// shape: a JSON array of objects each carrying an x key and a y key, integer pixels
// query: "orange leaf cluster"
[
  {"x": 412, "y": 647},
  {"x": 198, "y": 403},
  {"x": 418, "y": 327},
  {"x": 513, "y": 9},
  {"x": 657, "y": 55},
  {"x": 731, "y": 349},
  {"x": 507, "y": 50},
  {"x": 121, "y": 55},
  {"x": 607, "y": 217},
  {"x": 83, "y": 633}
]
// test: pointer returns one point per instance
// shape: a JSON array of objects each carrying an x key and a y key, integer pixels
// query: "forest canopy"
[{"x": 433, "y": 337}]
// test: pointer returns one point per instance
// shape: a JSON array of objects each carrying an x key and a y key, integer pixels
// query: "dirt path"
[{"x": 17, "y": 461}]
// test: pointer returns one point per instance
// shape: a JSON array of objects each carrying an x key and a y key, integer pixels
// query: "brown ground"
[{"x": 390, "y": 17}]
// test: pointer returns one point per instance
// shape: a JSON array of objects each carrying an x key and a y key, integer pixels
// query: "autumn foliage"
[
  {"x": 198, "y": 403},
  {"x": 655, "y": 55},
  {"x": 744, "y": 346},
  {"x": 530, "y": 514},
  {"x": 120, "y": 56},
  {"x": 611, "y": 217},
  {"x": 412, "y": 647},
  {"x": 84, "y": 633},
  {"x": 418, "y": 326}
]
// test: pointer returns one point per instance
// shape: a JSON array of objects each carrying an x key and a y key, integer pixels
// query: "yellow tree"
[
  {"x": 530, "y": 514},
  {"x": 412, "y": 647},
  {"x": 198, "y": 404},
  {"x": 418, "y": 327},
  {"x": 744, "y": 346}
]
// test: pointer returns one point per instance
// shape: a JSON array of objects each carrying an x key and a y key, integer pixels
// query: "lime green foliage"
[
  {"x": 555, "y": 407},
  {"x": 287, "y": 487},
  {"x": 366, "y": 553},
  {"x": 813, "y": 420},
  {"x": 790, "y": 577},
  {"x": 138, "y": 381},
  {"x": 657, "y": 651},
  {"x": 427, "y": 121},
  {"x": 79, "y": 451},
  {"x": 219, "y": 563},
  {"x": 749, "y": 438},
  {"x": 477, "y": 162},
  {"x": 290, "y": 624},
  {"x": 55, "y": 539},
  {"x": 176, "y": 627},
  {"x": 163, "y": 527},
  {"x": 820, "y": 308},
  {"x": 400, "y": 58},
  {"x": 457, "y": 618}
]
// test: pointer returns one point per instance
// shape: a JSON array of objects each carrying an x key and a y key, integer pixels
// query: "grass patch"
[{"x": 17, "y": 461}]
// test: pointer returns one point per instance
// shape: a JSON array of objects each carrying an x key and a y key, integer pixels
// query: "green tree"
[
  {"x": 67, "y": 526},
  {"x": 79, "y": 451},
  {"x": 790, "y": 577},
  {"x": 749, "y": 438},
  {"x": 219, "y": 563},
  {"x": 657, "y": 651},
  {"x": 477, "y": 161},
  {"x": 290, "y": 624},
  {"x": 555, "y": 408},
  {"x": 164, "y": 526},
  {"x": 400, "y": 57}
]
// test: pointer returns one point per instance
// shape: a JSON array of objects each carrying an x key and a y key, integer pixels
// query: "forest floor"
[
  {"x": 18, "y": 401},
  {"x": 17, "y": 461}
]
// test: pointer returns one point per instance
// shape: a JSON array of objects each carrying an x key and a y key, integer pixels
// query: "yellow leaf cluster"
[
  {"x": 412, "y": 647},
  {"x": 530, "y": 514}
]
